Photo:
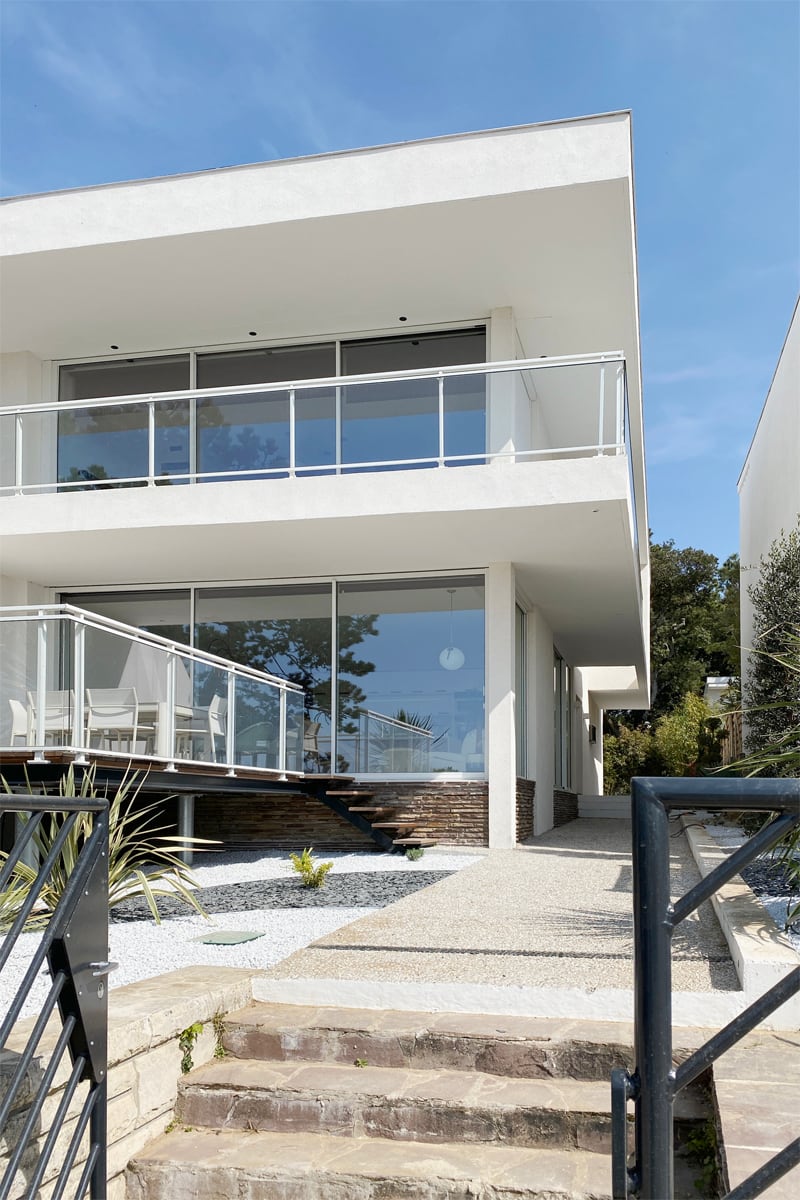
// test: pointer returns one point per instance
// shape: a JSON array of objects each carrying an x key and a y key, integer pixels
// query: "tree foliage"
[
  {"x": 680, "y": 743},
  {"x": 694, "y": 628},
  {"x": 771, "y": 688}
]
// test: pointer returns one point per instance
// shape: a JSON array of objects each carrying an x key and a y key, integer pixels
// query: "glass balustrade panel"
[
  {"x": 258, "y": 726},
  {"x": 315, "y": 430},
  {"x": 37, "y": 696},
  {"x": 97, "y": 446},
  {"x": 204, "y": 736},
  {"x": 392, "y": 420},
  {"x": 247, "y": 432},
  {"x": 127, "y": 694},
  {"x": 465, "y": 419},
  {"x": 302, "y": 735}
]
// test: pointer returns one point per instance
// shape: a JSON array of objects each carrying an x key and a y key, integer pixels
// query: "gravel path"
[{"x": 231, "y": 883}]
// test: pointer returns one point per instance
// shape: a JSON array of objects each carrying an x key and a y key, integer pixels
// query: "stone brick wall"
[
  {"x": 455, "y": 813},
  {"x": 275, "y": 823},
  {"x": 565, "y": 807},
  {"x": 526, "y": 793}
]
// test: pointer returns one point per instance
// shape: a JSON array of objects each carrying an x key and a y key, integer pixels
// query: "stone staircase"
[{"x": 342, "y": 1104}]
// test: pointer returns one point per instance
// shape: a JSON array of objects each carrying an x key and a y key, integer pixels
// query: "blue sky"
[{"x": 95, "y": 92}]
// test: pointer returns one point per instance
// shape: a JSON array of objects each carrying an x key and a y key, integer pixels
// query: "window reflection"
[{"x": 420, "y": 708}]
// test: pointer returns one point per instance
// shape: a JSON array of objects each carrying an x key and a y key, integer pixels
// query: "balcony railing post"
[
  {"x": 41, "y": 686},
  {"x": 441, "y": 419},
  {"x": 18, "y": 474},
  {"x": 167, "y": 738},
  {"x": 230, "y": 725},
  {"x": 193, "y": 440},
  {"x": 78, "y": 680},
  {"x": 292, "y": 433},
  {"x": 602, "y": 411},
  {"x": 151, "y": 443},
  {"x": 620, "y": 410},
  {"x": 652, "y": 994},
  {"x": 282, "y": 734}
]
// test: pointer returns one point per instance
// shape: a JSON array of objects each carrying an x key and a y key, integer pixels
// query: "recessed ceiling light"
[
  {"x": 114, "y": 347},
  {"x": 402, "y": 318},
  {"x": 253, "y": 333}
]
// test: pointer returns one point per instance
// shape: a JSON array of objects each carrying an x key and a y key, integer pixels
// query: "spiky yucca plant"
[{"x": 140, "y": 863}]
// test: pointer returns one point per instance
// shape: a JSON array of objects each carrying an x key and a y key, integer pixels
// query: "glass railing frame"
[
  {"x": 336, "y": 383},
  {"x": 45, "y": 615}
]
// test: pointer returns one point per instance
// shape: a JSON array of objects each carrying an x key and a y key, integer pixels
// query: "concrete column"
[
  {"x": 186, "y": 826},
  {"x": 502, "y": 756},
  {"x": 541, "y": 739},
  {"x": 500, "y": 391}
]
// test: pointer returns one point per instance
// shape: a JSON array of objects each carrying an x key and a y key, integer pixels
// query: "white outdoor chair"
[
  {"x": 112, "y": 716},
  {"x": 20, "y": 723},
  {"x": 213, "y": 735},
  {"x": 59, "y": 706}
]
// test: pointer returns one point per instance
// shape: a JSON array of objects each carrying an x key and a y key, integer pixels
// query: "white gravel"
[{"x": 144, "y": 949}]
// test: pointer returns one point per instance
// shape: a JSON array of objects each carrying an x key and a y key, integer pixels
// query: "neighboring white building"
[
  {"x": 769, "y": 485},
  {"x": 457, "y": 551}
]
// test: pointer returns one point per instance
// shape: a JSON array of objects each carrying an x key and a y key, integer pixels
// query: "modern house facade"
[
  {"x": 769, "y": 485},
  {"x": 367, "y": 422}
]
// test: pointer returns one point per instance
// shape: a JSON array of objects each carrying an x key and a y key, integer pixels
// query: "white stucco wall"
[
  {"x": 769, "y": 486},
  {"x": 500, "y": 703}
]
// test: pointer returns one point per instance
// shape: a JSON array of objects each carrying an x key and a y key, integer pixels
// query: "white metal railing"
[
  {"x": 521, "y": 410},
  {"x": 390, "y": 744},
  {"x": 84, "y": 684}
]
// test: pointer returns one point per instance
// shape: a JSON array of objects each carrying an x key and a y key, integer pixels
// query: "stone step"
[
  {"x": 251, "y": 1165},
  {"x": 401, "y": 1104},
  {"x": 518, "y": 1047}
]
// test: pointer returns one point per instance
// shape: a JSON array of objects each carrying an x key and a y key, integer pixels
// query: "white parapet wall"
[
  {"x": 144, "y": 1062},
  {"x": 761, "y": 954}
]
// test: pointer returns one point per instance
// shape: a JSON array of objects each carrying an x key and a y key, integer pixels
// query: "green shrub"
[
  {"x": 415, "y": 853},
  {"x": 312, "y": 874},
  {"x": 139, "y": 863},
  {"x": 628, "y": 753}
]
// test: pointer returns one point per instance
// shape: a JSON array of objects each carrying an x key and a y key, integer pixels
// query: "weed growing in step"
[
  {"x": 187, "y": 1040},
  {"x": 218, "y": 1022},
  {"x": 360, "y": 1062},
  {"x": 414, "y": 853},
  {"x": 313, "y": 874},
  {"x": 701, "y": 1151}
]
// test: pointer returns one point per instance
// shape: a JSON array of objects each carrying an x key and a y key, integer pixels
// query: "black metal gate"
[
  {"x": 655, "y": 1082},
  {"x": 74, "y": 945}
]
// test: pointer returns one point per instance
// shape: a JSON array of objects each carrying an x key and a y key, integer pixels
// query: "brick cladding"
[
  {"x": 526, "y": 792},
  {"x": 455, "y": 813},
  {"x": 565, "y": 807}
]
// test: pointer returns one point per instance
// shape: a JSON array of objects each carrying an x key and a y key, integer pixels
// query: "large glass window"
[
  {"x": 111, "y": 443},
  {"x": 403, "y": 669},
  {"x": 251, "y": 432},
  {"x": 411, "y": 676},
  {"x": 400, "y": 420},
  {"x": 285, "y": 631}
]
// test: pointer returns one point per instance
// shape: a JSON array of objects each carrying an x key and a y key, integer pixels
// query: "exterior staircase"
[
  {"x": 387, "y": 824},
  {"x": 342, "y": 1104}
]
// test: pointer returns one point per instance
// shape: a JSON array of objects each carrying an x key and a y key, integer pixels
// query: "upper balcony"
[{"x": 452, "y": 416}]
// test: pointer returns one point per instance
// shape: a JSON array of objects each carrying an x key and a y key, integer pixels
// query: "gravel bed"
[
  {"x": 242, "y": 891},
  {"x": 351, "y": 890}
]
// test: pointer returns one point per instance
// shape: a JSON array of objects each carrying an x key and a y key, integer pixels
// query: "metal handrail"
[
  {"x": 75, "y": 944},
  {"x": 654, "y": 1081},
  {"x": 330, "y": 381},
  {"x": 48, "y": 617},
  {"x": 15, "y": 612},
  {"x": 603, "y": 444}
]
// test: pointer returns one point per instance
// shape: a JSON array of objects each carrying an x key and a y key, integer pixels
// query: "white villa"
[{"x": 331, "y": 467}]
